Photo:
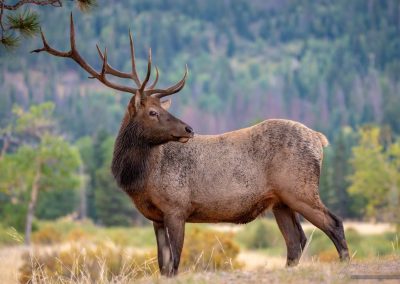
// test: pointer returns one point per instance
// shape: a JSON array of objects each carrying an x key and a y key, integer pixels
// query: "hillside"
[{"x": 327, "y": 64}]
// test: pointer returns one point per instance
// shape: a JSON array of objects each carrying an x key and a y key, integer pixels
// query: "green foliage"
[
  {"x": 325, "y": 71},
  {"x": 247, "y": 61},
  {"x": 361, "y": 246},
  {"x": 108, "y": 205},
  {"x": 36, "y": 121},
  {"x": 261, "y": 234},
  {"x": 10, "y": 41},
  {"x": 335, "y": 171},
  {"x": 13, "y": 215},
  {"x": 27, "y": 23},
  {"x": 49, "y": 206},
  {"x": 43, "y": 161},
  {"x": 375, "y": 178}
]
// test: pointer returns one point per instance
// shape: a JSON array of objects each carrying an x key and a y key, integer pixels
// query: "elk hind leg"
[
  {"x": 312, "y": 208},
  {"x": 289, "y": 224}
]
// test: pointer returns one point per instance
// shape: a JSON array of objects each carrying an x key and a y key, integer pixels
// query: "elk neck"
[{"x": 131, "y": 159}]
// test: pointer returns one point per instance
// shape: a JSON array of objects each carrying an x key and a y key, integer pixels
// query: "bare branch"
[{"x": 56, "y": 3}]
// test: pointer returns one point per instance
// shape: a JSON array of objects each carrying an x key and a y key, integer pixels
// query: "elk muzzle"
[{"x": 184, "y": 133}]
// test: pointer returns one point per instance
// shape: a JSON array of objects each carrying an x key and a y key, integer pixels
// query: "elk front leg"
[
  {"x": 289, "y": 224},
  {"x": 174, "y": 233},
  {"x": 163, "y": 251}
]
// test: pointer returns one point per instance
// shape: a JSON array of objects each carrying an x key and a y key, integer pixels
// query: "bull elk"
[{"x": 174, "y": 176}]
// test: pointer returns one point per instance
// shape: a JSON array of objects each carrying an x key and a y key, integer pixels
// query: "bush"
[
  {"x": 89, "y": 263},
  {"x": 260, "y": 234},
  {"x": 209, "y": 250},
  {"x": 78, "y": 234},
  {"x": 47, "y": 235}
]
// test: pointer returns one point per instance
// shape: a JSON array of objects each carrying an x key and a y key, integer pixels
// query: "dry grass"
[
  {"x": 309, "y": 271},
  {"x": 259, "y": 267},
  {"x": 10, "y": 261}
]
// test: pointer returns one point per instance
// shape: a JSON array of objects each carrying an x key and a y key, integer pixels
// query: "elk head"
[{"x": 146, "y": 113}]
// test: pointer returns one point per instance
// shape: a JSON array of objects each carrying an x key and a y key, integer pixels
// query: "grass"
[
  {"x": 265, "y": 237},
  {"x": 261, "y": 246},
  {"x": 308, "y": 272}
]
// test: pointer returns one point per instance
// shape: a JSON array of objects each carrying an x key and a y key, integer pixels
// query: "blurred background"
[{"x": 332, "y": 65}]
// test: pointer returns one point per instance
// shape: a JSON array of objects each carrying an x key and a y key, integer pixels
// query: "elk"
[{"x": 174, "y": 176}]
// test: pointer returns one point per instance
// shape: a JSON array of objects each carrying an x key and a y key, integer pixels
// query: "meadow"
[{"x": 65, "y": 251}]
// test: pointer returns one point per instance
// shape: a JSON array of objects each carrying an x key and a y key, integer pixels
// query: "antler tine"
[
  {"x": 104, "y": 67},
  {"x": 134, "y": 74},
  {"x": 74, "y": 55},
  {"x": 112, "y": 71},
  {"x": 146, "y": 80},
  {"x": 160, "y": 93},
  {"x": 72, "y": 34},
  {"x": 46, "y": 47},
  {"x": 155, "y": 81}
]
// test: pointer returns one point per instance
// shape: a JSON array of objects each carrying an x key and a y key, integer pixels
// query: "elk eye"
[{"x": 153, "y": 113}]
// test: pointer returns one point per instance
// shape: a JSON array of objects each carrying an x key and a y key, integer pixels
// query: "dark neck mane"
[{"x": 130, "y": 161}]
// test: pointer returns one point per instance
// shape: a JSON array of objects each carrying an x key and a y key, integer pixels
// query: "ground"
[{"x": 259, "y": 267}]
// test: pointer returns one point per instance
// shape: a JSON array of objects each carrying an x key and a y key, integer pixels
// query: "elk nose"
[{"x": 189, "y": 129}]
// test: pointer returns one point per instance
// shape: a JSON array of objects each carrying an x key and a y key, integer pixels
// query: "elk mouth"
[{"x": 182, "y": 139}]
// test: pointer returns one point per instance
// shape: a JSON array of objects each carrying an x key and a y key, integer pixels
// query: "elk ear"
[
  {"x": 134, "y": 103},
  {"x": 166, "y": 104}
]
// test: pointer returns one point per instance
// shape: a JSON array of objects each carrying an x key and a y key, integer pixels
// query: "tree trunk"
[
  {"x": 83, "y": 198},
  {"x": 32, "y": 206},
  {"x": 6, "y": 144}
]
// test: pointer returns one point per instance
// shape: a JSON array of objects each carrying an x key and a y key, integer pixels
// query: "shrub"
[
  {"x": 78, "y": 234},
  {"x": 91, "y": 263},
  {"x": 209, "y": 250},
  {"x": 47, "y": 235}
]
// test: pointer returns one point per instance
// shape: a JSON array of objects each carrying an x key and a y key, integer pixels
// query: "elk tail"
[{"x": 323, "y": 139}]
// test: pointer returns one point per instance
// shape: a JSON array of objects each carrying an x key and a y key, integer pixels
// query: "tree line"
[
  {"x": 332, "y": 65},
  {"x": 45, "y": 176}
]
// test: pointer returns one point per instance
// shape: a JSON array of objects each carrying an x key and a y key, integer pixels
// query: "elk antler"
[{"x": 108, "y": 69}]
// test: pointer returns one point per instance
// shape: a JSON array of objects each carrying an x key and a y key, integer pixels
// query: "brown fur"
[{"x": 232, "y": 177}]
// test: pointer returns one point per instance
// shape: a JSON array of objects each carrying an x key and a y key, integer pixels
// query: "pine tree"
[{"x": 15, "y": 25}]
